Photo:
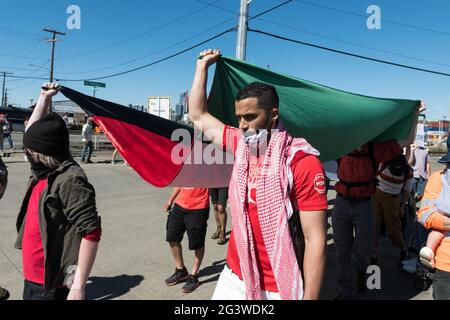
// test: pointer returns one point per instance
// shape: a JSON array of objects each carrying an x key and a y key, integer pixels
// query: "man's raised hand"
[
  {"x": 50, "y": 89},
  {"x": 209, "y": 57}
]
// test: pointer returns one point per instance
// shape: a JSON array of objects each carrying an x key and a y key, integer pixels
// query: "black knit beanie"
[{"x": 48, "y": 136}]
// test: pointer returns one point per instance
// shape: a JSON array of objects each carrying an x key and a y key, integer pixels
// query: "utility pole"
[
  {"x": 6, "y": 98},
  {"x": 3, "y": 90},
  {"x": 53, "y": 41},
  {"x": 241, "y": 43}
]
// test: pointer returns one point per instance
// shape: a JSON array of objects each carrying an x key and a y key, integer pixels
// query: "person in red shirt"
[
  {"x": 276, "y": 179},
  {"x": 352, "y": 216},
  {"x": 58, "y": 225},
  {"x": 190, "y": 213}
]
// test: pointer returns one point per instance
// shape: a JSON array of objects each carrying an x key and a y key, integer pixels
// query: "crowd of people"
[{"x": 277, "y": 199}]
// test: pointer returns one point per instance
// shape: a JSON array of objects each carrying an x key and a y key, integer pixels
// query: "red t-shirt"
[
  {"x": 32, "y": 248},
  {"x": 359, "y": 168},
  {"x": 193, "y": 198},
  {"x": 308, "y": 193}
]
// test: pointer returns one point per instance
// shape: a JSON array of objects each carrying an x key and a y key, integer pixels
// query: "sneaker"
[
  {"x": 222, "y": 239},
  {"x": 4, "y": 294},
  {"x": 191, "y": 284},
  {"x": 427, "y": 257},
  {"x": 89, "y": 161},
  {"x": 215, "y": 235},
  {"x": 177, "y": 277}
]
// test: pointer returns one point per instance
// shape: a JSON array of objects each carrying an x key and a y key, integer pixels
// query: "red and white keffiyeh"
[{"x": 274, "y": 208}]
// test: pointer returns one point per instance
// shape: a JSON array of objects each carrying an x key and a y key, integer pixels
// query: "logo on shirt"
[{"x": 320, "y": 184}]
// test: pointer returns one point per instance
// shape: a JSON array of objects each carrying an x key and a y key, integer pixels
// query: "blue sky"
[{"x": 114, "y": 32}]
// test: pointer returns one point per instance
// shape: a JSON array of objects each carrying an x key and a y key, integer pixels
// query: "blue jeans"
[
  {"x": 6, "y": 136},
  {"x": 87, "y": 151},
  {"x": 418, "y": 185}
]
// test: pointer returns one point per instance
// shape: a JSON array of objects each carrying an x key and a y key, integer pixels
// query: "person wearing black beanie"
[
  {"x": 48, "y": 136},
  {"x": 59, "y": 202}
]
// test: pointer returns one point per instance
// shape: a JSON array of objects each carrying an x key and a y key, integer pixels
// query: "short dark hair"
[{"x": 266, "y": 94}]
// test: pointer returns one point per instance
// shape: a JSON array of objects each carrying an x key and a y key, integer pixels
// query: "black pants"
[
  {"x": 441, "y": 285},
  {"x": 34, "y": 291}
]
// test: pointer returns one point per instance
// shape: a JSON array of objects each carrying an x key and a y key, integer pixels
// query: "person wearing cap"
[
  {"x": 434, "y": 214},
  {"x": 58, "y": 225},
  {"x": 4, "y": 294}
]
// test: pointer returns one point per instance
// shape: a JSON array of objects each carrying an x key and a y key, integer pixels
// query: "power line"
[
  {"x": 40, "y": 77},
  {"x": 153, "y": 63},
  {"x": 18, "y": 56},
  {"x": 207, "y": 5},
  {"x": 269, "y": 10},
  {"x": 168, "y": 57},
  {"x": 213, "y": 5},
  {"x": 364, "y": 16},
  {"x": 328, "y": 37},
  {"x": 140, "y": 34},
  {"x": 348, "y": 53},
  {"x": 153, "y": 53},
  {"x": 20, "y": 34},
  {"x": 235, "y": 13},
  {"x": 351, "y": 43}
]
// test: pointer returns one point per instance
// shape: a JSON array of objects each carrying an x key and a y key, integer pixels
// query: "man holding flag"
[{"x": 275, "y": 178}]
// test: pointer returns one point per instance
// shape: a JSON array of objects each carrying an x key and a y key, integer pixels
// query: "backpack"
[{"x": 3, "y": 178}]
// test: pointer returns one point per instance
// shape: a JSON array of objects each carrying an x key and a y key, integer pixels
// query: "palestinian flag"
[
  {"x": 164, "y": 153},
  {"x": 335, "y": 122}
]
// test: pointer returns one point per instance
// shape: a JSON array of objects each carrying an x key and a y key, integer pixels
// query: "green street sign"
[{"x": 95, "y": 84}]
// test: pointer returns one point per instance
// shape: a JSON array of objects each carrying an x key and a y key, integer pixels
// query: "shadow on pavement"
[
  {"x": 214, "y": 269},
  {"x": 104, "y": 288}
]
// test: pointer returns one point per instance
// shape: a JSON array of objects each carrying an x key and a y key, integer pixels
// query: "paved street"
[{"x": 134, "y": 259}]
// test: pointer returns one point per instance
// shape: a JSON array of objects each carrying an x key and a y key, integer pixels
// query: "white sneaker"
[{"x": 427, "y": 257}]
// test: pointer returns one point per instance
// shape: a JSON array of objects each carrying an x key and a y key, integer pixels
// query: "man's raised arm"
[
  {"x": 42, "y": 106},
  {"x": 211, "y": 127}
]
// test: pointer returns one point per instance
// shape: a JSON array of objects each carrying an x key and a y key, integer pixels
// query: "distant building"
[
  {"x": 77, "y": 116},
  {"x": 160, "y": 106},
  {"x": 437, "y": 130},
  {"x": 179, "y": 111}
]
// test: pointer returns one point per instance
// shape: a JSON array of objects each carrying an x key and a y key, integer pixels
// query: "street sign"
[{"x": 95, "y": 84}]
